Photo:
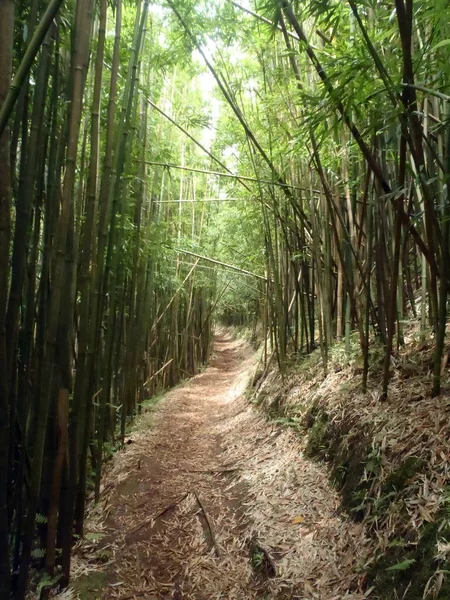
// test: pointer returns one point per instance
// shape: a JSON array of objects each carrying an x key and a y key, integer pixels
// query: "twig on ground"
[
  {"x": 210, "y": 525},
  {"x": 219, "y": 470},
  {"x": 159, "y": 514}
]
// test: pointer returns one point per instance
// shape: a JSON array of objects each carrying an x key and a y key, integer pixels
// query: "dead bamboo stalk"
[
  {"x": 220, "y": 263},
  {"x": 174, "y": 296},
  {"x": 159, "y": 371},
  {"x": 219, "y": 174}
]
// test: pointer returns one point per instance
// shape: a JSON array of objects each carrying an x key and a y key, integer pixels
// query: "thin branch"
[
  {"x": 158, "y": 514},
  {"x": 210, "y": 525}
]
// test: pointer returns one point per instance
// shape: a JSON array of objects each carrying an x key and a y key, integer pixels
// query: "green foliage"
[
  {"x": 317, "y": 421},
  {"x": 409, "y": 568},
  {"x": 404, "y": 565},
  {"x": 38, "y": 553},
  {"x": 257, "y": 558},
  {"x": 47, "y": 581},
  {"x": 91, "y": 585},
  {"x": 290, "y": 422},
  {"x": 41, "y": 519}
]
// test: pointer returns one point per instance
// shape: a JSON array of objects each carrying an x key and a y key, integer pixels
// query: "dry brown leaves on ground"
[{"x": 410, "y": 429}]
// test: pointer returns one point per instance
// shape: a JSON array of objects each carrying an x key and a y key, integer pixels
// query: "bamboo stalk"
[
  {"x": 6, "y": 431},
  {"x": 191, "y": 137},
  {"x": 220, "y": 263},
  {"x": 219, "y": 174},
  {"x": 159, "y": 371},
  {"x": 27, "y": 61},
  {"x": 200, "y": 201}
]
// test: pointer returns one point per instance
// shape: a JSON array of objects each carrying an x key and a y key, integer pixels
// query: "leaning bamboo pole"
[
  {"x": 233, "y": 176},
  {"x": 192, "y": 138},
  {"x": 220, "y": 263},
  {"x": 27, "y": 61}
]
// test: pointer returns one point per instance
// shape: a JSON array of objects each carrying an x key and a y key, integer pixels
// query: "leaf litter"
[{"x": 411, "y": 428}]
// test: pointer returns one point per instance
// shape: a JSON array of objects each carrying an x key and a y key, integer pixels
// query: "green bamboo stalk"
[{"x": 27, "y": 61}]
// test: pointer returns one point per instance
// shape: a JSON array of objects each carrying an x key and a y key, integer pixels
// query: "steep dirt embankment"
[
  {"x": 389, "y": 460},
  {"x": 210, "y": 500}
]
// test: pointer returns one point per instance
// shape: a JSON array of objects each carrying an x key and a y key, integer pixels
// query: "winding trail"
[{"x": 209, "y": 501}]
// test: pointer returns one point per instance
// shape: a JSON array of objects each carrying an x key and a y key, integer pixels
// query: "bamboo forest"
[{"x": 224, "y": 294}]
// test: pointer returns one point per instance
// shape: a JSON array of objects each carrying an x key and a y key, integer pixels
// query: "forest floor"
[{"x": 210, "y": 500}]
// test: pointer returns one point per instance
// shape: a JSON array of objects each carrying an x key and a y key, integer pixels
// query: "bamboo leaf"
[
  {"x": 298, "y": 520},
  {"x": 441, "y": 44},
  {"x": 404, "y": 565}
]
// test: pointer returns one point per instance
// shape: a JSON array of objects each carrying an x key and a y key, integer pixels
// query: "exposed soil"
[{"x": 211, "y": 501}]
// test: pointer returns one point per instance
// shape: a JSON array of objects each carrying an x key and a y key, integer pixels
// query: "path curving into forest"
[{"x": 209, "y": 501}]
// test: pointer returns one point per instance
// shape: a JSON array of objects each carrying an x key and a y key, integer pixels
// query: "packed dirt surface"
[{"x": 209, "y": 500}]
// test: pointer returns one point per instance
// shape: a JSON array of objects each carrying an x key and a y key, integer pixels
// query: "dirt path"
[{"x": 210, "y": 501}]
